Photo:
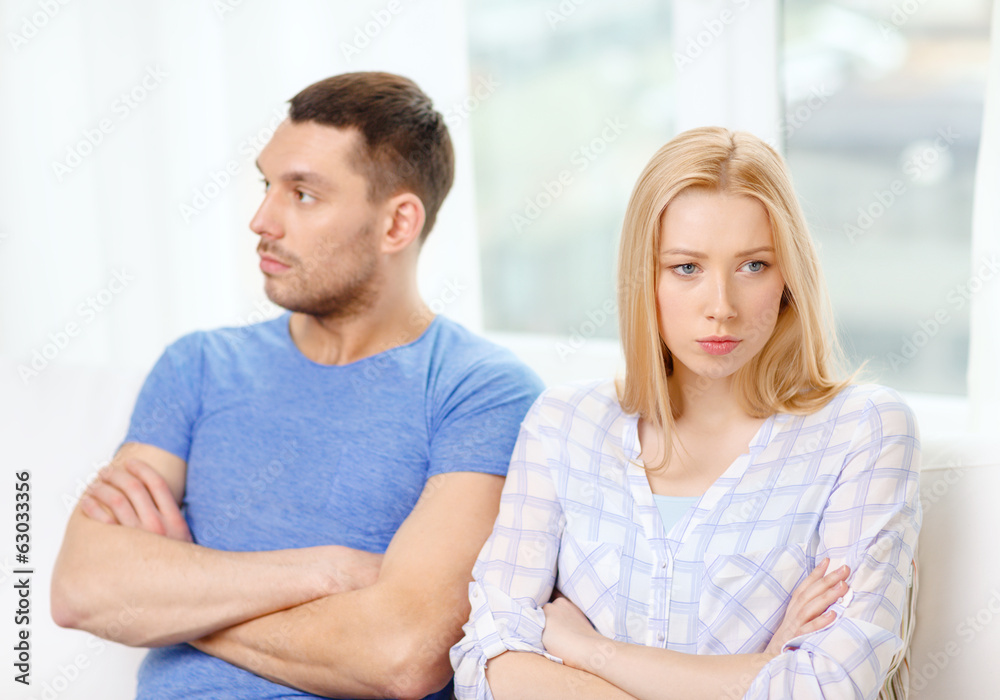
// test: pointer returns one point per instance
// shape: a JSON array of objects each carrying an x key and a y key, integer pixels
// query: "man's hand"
[
  {"x": 136, "y": 496},
  {"x": 808, "y": 609},
  {"x": 139, "y": 497}
]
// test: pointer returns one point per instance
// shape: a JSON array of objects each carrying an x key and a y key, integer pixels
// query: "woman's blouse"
[{"x": 577, "y": 513}]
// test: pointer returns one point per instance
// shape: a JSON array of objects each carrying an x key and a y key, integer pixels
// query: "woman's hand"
[
  {"x": 807, "y": 611},
  {"x": 568, "y": 633}
]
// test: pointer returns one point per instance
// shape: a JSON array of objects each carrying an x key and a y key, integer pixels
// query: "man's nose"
[{"x": 267, "y": 220}]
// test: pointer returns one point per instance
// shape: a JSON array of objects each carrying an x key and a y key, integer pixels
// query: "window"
[
  {"x": 884, "y": 105},
  {"x": 584, "y": 98}
]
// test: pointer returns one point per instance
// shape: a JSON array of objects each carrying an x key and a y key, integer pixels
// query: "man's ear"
[{"x": 406, "y": 214}]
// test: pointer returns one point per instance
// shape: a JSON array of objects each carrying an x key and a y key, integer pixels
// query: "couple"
[{"x": 297, "y": 509}]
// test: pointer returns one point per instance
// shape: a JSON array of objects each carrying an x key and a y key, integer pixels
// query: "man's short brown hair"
[{"x": 406, "y": 146}]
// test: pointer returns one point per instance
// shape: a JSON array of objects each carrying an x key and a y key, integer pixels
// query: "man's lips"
[
  {"x": 718, "y": 345},
  {"x": 272, "y": 265}
]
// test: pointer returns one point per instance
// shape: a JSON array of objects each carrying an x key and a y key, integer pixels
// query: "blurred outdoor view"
[
  {"x": 884, "y": 111},
  {"x": 587, "y": 95},
  {"x": 883, "y": 105}
]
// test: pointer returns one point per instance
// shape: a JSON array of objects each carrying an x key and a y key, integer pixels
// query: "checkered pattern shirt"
[{"x": 577, "y": 513}]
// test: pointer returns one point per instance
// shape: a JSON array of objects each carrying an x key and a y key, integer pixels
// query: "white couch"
[{"x": 66, "y": 422}]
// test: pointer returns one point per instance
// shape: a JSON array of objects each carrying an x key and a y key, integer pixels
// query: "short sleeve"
[
  {"x": 516, "y": 569},
  {"x": 477, "y": 422},
  {"x": 169, "y": 403},
  {"x": 870, "y": 523}
]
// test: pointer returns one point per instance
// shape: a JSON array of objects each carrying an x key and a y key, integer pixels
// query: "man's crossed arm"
[{"x": 329, "y": 620}]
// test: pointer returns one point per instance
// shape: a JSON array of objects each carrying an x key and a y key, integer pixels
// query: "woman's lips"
[{"x": 718, "y": 347}]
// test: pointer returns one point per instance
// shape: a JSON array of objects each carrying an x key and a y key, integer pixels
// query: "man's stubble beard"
[{"x": 329, "y": 298}]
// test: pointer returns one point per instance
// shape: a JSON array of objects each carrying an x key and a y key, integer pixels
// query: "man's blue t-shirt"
[{"x": 283, "y": 452}]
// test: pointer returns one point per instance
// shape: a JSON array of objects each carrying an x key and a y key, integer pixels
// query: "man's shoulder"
[
  {"x": 458, "y": 353},
  {"x": 228, "y": 341}
]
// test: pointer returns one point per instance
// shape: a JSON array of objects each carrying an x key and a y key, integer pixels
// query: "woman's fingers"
[
  {"x": 811, "y": 609},
  {"x": 810, "y": 590},
  {"x": 818, "y": 623},
  {"x": 812, "y": 599}
]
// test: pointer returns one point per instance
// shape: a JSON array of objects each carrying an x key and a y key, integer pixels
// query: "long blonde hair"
[{"x": 797, "y": 369}]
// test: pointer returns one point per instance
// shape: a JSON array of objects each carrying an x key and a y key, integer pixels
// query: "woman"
[{"x": 681, "y": 511}]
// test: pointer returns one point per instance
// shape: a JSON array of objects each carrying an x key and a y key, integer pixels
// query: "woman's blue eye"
[
  {"x": 267, "y": 185},
  {"x": 756, "y": 265},
  {"x": 686, "y": 269}
]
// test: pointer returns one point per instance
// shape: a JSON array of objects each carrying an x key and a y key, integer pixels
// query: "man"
[{"x": 339, "y": 467}]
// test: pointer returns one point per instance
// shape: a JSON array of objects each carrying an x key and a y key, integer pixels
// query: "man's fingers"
[
  {"x": 95, "y": 511},
  {"x": 138, "y": 495},
  {"x": 115, "y": 501},
  {"x": 163, "y": 498}
]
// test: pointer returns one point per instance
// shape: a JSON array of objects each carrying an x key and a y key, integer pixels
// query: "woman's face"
[{"x": 719, "y": 286}]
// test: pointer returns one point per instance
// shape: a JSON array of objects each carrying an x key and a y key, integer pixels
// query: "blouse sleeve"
[
  {"x": 870, "y": 523},
  {"x": 515, "y": 572}
]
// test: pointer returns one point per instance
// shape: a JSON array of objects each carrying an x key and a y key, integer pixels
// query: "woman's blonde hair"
[{"x": 797, "y": 369}]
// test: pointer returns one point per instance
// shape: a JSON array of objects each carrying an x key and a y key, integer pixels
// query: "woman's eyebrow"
[
  {"x": 754, "y": 251},
  {"x": 682, "y": 251},
  {"x": 696, "y": 254}
]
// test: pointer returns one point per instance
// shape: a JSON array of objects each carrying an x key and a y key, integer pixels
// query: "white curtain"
[
  {"x": 129, "y": 133},
  {"x": 984, "y": 344}
]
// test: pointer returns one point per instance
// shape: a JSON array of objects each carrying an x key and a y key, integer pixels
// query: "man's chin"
[{"x": 275, "y": 296}]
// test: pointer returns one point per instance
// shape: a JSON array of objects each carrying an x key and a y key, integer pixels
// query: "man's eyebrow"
[
  {"x": 300, "y": 176},
  {"x": 696, "y": 254}
]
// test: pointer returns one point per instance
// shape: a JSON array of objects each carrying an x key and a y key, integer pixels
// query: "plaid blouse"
[{"x": 577, "y": 513}]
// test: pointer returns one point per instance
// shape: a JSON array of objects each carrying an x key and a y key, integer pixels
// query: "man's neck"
[{"x": 341, "y": 341}]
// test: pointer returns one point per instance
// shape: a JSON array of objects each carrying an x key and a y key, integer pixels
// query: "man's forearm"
[
  {"x": 525, "y": 676},
  {"x": 359, "y": 644},
  {"x": 175, "y": 591},
  {"x": 390, "y": 639}
]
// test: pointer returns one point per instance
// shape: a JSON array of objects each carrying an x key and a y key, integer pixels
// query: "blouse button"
[{"x": 660, "y": 637}]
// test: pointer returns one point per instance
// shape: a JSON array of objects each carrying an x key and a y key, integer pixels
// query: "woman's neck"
[{"x": 701, "y": 402}]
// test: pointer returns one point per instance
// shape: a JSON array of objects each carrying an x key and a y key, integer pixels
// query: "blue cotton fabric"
[{"x": 283, "y": 452}]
